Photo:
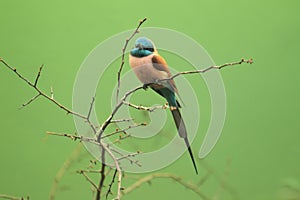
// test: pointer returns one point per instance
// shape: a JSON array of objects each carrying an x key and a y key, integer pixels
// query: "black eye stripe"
[{"x": 149, "y": 49}]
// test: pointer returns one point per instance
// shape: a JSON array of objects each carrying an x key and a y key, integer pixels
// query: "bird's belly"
[{"x": 148, "y": 74}]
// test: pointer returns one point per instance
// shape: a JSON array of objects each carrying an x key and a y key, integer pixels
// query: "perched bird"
[{"x": 150, "y": 67}]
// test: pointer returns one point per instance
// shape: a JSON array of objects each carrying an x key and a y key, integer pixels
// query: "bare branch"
[
  {"x": 125, "y": 157},
  {"x": 108, "y": 120},
  {"x": 124, "y": 130},
  {"x": 5, "y": 196},
  {"x": 221, "y": 178},
  {"x": 88, "y": 179},
  {"x": 91, "y": 108},
  {"x": 121, "y": 137},
  {"x": 72, "y": 136},
  {"x": 149, "y": 109},
  {"x": 177, "y": 179},
  {"x": 121, "y": 120},
  {"x": 61, "y": 172},
  {"x": 118, "y": 168},
  {"x": 111, "y": 184},
  {"x": 223, "y": 185},
  {"x": 102, "y": 174},
  {"x": 249, "y": 61},
  {"x": 89, "y": 115},
  {"x": 123, "y": 55},
  {"x": 129, "y": 155},
  {"x": 89, "y": 171},
  {"x": 30, "y": 100},
  {"x": 40, "y": 92},
  {"x": 38, "y": 75}
]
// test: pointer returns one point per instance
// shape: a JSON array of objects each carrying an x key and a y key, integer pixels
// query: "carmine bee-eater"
[{"x": 150, "y": 67}]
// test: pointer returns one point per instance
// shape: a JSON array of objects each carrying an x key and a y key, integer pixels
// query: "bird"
[{"x": 150, "y": 68}]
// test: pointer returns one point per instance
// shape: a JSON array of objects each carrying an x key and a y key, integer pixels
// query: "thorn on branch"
[{"x": 51, "y": 93}]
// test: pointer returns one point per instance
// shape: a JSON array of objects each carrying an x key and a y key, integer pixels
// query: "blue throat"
[{"x": 136, "y": 52}]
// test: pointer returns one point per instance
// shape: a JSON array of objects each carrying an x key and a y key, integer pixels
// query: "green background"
[{"x": 259, "y": 147}]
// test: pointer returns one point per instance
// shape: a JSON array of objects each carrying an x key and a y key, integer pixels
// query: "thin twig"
[
  {"x": 177, "y": 179},
  {"x": 91, "y": 108},
  {"x": 126, "y": 157},
  {"x": 249, "y": 61},
  {"x": 129, "y": 155},
  {"x": 108, "y": 120},
  {"x": 121, "y": 120},
  {"x": 124, "y": 130},
  {"x": 89, "y": 115},
  {"x": 38, "y": 75},
  {"x": 30, "y": 101},
  {"x": 89, "y": 171},
  {"x": 61, "y": 172},
  {"x": 40, "y": 92},
  {"x": 223, "y": 186},
  {"x": 72, "y": 136},
  {"x": 5, "y": 196},
  {"x": 102, "y": 174},
  {"x": 123, "y": 55},
  {"x": 88, "y": 179},
  {"x": 149, "y": 109},
  {"x": 111, "y": 184},
  {"x": 220, "y": 179},
  {"x": 121, "y": 137},
  {"x": 118, "y": 168}
]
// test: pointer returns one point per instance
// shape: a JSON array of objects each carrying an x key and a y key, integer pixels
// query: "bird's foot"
[{"x": 146, "y": 85}]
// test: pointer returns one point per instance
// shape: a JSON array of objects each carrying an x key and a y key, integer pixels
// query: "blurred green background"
[{"x": 260, "y": 145}]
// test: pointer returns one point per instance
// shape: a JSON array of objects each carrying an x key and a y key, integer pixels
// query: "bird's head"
[{"x": 143, "y": 47}]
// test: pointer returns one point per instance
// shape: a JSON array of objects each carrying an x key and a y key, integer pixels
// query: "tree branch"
[
  {"x": 40, "y": 92},
  {"x": 149, "y": 109},
  {"x": 110, "y": 185},
  {"x": 177, "y": 179},
  {"x": 123, "y": 55},
  {"x": 89, "y": 179},
  {"x": 102, "y": 174},
  {"x": 5, "y": 196},
  {"x": 61, "y": 172},
  {"x": 118, "y": 168},
  {"x": 124, "y": 130},
  {"x": 200, "y": 71}
]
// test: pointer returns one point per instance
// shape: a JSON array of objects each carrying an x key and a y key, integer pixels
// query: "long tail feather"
[{"x": 182, "y": 133}]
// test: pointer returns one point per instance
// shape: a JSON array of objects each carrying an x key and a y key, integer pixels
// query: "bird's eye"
[{"x": 149, "y": 49}]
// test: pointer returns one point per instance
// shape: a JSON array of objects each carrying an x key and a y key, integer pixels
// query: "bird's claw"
[{"x": 145, "y": 86}]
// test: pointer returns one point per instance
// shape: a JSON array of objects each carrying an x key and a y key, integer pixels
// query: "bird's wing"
[{"x": 160, "y": 64}]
